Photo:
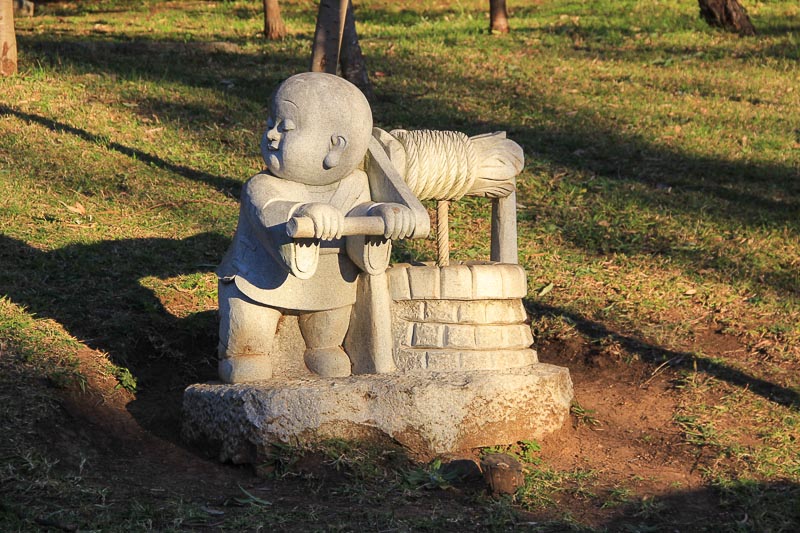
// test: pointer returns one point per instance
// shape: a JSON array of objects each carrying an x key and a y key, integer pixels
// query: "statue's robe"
[{"x": 271, "y": 268}]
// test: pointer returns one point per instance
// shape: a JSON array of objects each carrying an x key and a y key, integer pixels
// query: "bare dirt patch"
[{"x": 620, "y": 452}]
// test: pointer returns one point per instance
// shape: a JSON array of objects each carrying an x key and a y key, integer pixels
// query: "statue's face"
[{"x": 280, "y": 139}]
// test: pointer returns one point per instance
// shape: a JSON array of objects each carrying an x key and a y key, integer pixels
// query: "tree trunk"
[
  {"x": 274, "y": 28},
  {"x": 325, "y": 54},
  {"x": 729, "y": 15},
  {"x": 354, "y": 65},
  {"x": 8, "y": 39},
  {"x": 498, "y": 16},
  {"x": 325, "y": 49}
]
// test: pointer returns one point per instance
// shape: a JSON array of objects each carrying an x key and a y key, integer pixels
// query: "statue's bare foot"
[
  {"x": 245, "y": 368},
  {"x": 328, "y": 362}
]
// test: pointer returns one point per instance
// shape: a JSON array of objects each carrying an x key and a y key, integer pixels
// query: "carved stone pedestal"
[{"x": 427, "y": 413}]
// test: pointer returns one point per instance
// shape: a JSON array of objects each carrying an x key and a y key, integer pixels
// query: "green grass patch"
[{"x": 659, "y": 203}]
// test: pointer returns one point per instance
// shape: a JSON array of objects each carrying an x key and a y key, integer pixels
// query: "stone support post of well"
[{"x": 504, "y": 229}]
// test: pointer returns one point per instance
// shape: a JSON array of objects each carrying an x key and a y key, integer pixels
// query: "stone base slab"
[{"x": 427, "y": 413}]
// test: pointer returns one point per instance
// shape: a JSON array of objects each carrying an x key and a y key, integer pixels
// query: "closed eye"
[{"x": 288, "y": 125}]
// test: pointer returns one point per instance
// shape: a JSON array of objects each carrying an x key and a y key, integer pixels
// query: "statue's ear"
[{"x": 338, "y": 144}]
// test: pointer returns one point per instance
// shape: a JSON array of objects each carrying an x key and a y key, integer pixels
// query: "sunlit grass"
[{"x": 659, "y": 198}]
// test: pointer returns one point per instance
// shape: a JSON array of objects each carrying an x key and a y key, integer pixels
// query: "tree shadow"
[
  {"x": 94, "y": 291},
  {"x": 737, "y": 505},
  {"x": 658, "y": 355},
  {"x": 64, "y": 9},
  {"x": 748, "y": 193},
  {"x": 623, "y": 167},
  {"x": 604, "y": 30},
  {"x": 669, "y": 53},
  {"x": 611, "y": 152},
  {"x": 194, "y": 63},
  {"x": 227, "y": 186}
]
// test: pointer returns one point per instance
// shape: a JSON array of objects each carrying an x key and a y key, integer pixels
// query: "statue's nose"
[{"x": 273, "y": 134}]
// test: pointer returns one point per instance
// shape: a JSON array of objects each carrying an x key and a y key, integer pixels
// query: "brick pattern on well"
[
  {"x": 460, "y": 317},
  {"x": 471, "y": 281}
]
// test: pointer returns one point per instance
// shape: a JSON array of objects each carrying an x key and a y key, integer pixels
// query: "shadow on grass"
[
  {"x": 203, "y": 64},
  {"x": 624, "y": 175},
  {"x": 631, "y": 169},
  {"x": 58, "y": 8},
  {"x": 737, "y": 505},
  {"x": 606, "y": 150},
  {"x": 657, "y": 355},
  {"x": 581, "y": 140},
  {"x": 94, "y": 292},
  {"x": 227, "y": 186},
  {"x": 603, "y": 29}
]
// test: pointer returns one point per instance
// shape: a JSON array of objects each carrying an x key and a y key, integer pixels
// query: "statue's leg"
[
  {"x": 324, "y": 333},
  {"x": 246, "y": 334}
]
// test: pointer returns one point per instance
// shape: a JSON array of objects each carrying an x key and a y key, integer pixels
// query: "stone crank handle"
[{"x": 303, "y": 227}]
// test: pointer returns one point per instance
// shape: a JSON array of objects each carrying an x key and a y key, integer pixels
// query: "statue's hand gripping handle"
[{"x": 303, "y": 227}]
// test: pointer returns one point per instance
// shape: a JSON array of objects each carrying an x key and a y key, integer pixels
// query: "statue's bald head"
[{"x": 319, "y": 129}]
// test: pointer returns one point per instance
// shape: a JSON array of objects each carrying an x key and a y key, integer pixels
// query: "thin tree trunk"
[
  {"x": 325, "y": 54},
  {"x": 498, "y": 16},
  {"x": 325, "y": 49},
  {"x": 8, "y": 39},
  {"x": 729, "y": 15},
  {"x": 352, "y": 61},
  {"x": 274, "y": 27}
]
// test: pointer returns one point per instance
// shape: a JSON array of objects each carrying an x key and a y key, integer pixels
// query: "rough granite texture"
[
  {"x": 428, "y": 413},
  {"x": 460, "y": 317}
]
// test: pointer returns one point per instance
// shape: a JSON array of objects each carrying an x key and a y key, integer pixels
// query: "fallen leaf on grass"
[
  {"x": 78, "y": 208},
  {"x": 547, "y": 288},
  {"x": 690, "y": 292}
]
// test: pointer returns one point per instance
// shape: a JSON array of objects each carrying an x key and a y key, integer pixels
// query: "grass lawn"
[{"x": 659, "y": 223}]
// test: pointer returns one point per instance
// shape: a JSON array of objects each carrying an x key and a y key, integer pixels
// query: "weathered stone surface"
[
  {"x": 424, "y": 282},
  {"x": 469, "y": 281},
  {"x": 461, "y": 311},
  {"x": 369, "y": 339},
  {"x": 450, "y": 359},
  {"x": 398, "y": 283},
  {"x": 515, "y": 280},
  {"x": 302, "y": 237},
  {"x": 428, "y": 413},
  {"x": 441, "y": 334},
  {"x": 409, "y": 310},
  {"x": 487, "y": 281},
  {"x": 456, "y": 282},
  {"x": 428, "y": 334},
  {"x": 442, "y": 311},
  {"x": 319, "y": 340}
]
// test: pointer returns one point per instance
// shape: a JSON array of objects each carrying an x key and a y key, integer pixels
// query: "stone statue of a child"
[{"x": 317, "y": 136}]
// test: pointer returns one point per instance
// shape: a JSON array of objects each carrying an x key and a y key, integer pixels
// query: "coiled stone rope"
[
  {"x": 446, "y": 165},
  {"x": 440, "y": 165},
  {"x": 442, "y": 233}
]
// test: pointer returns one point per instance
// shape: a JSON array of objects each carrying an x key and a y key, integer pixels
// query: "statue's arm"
[{"x": 265, "y": 200}]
